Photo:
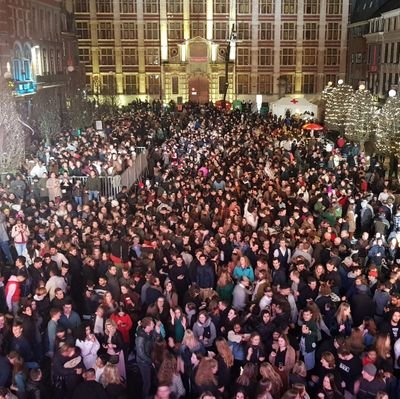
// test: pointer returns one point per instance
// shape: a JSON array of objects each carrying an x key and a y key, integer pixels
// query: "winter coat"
[
  {"x": 144, "y": 346},
  {"x": 205, "y": 276},
  {"x": 53, "y": 185},
  {"x": 3, "y": 228},
  {"x": 207, "y": 331}
]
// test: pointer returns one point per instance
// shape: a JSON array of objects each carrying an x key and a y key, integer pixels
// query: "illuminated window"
[
  {"x": 311, "y": 31},
  {"x": 333, "y": 31},
  {"x": 108, "y": 85},
  {"x": 175, "y": 84},
  {"x": 266, "y": 31},
  {"x": 220, "y": 31},
  {"x": 175, "y": 31},
  {"x": 221, "y": 7},
  {"x": 310, "y": 56},
  {"x": 81, "y": 5},
  {"x": 332, "y": 56},
  {"x": 243, "y": 56},
  {"x": 311, "y": 7},
  {"x": 85, "y": 55},
  {"x": 105, "y": 31},
  {"x": 265, "y": 56},
  {"x": 243, "y": 84},
  {"x": 266, "y": 6},
  {"x": 264, "y": 84},
  {"x": 197, "y": 28},
  {"x": 288, "y": 31},
  {"x": 82, "y": 30},
  {"x": 308, "y": 84},
  {"x": 244, "y": 31},
  {"x": 175, "y": 6},
  {"x": 153, "y": 84},
  {"x": 198, "y": 6},
  {"x": 244, "y": 6},
  {"x": 129, "y": 56},
  {"x": 289, "y": 6},
  {"x": 152, "y": 56},
  {"x": 128, "y": 31},
  {"x": 288, "y": 56},
  {"x": 334, "y": 7},
  {"x": 151, "y": 31},
  {"x": 150, "y": 7},
  {"x": 127, "y": 6},
  {"x": 107, "y": 56},
  {"x": 104, "y": 6},
  {"x": 287, "y": 82},
  {"x": 131, "y": 84}
]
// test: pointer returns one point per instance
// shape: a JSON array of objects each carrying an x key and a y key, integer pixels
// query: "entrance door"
[{"x": 198, "y": 90}]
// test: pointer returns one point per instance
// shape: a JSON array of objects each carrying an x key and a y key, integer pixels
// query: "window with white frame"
[
  {"x": 151, "y": 31},
  {"x": 107, "y": 56},
  {"x": 310, "y": 56},
  {"x": 289, "y": 7},
  {"x": 288, "y": 31},
  {"x": 83, "y": 29},
  {"x": 221, "y": 7},
  {"x": 243, "y": 31},
  {"x": 152, "y": 56},
  {"x": 175, "y": 84},
  {"x": 288, "y": 56},
  {"x": 333, "y": 31},
  {"x": 85, "y": 55},
  {"x": 81, "y": 5},
  {"x": 175, "y": 30},
  {"x": 198, "y": 6},
  {"x": 105, "y": 31},
  {"x": 310, "y": 31},
  {"x": 266, "y": 31},
  {"x": 243, "y": 56},
  {"x": 265, "y": 56},
  {"x": 127, "y": 6},
  {"x": 243, "y": 6},
  {"x": 128, "y": 31},
  {"x": 175, "y": 6},
  {"x": 264, "y": 84},
  {"x": 129, "y": 56},
  {"x": 104, "y": 6},
  {"x": 308, "y": 84},
  {"x": 266, "y": 6},
  {"x": 151, "y": 7},
  {"x": 197, "y": 28},
  {"x": 334, "y": 7},
  {"x": 243, "y": 84},
  {"x": 332, "y": 56},
  {"x": 220, "y": 30},
  {"x": 311, "y": 7},
  {"x": 153, "y": 84},
  {"x": 131, "y": 84}
]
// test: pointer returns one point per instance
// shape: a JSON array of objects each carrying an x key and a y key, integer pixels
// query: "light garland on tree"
[
  {"x": 388, "y": 127},
  {"x": 337, "y": 105},
  {"x": 360, "y": 120}
]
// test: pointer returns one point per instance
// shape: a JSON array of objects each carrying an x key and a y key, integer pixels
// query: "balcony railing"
[{"x": 57, "y": 78}]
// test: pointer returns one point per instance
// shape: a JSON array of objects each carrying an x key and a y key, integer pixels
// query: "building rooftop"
[{"x": 367, "y": 9}]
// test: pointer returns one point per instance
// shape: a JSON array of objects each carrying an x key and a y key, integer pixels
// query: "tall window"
[
  {"x": 175, "y": 6},
  {"x": 330, "y": 78},
  {"x": 152, "y": 56},
  {"x": 264, "y": 84},
  {"x": 266, "y": 6},
  {"x": 153, "y": 84},
  {"x": 288, "y": 81},
  {"x": 221, "y": 7},
  {"x": 221, "y": 84},
  {"x": 310, "y": 56},
  {"x": 266, "y": 31},
  {"x": 105, "y": 31},
  {"x": 289, "y": 6},
  {"x": 244, "y": 31},
  {"x": 311, "y": 31},
  {"x": 333, "y": 7},
  {"x": 243, "y": 56},
  {"x": 150, "y": 7},
  {"x": 127, "y": 6},
  {"x": 104, "y": 6},
  {"x": 129, "y": 56},
  {"x": 265, "y": 56},
  {"x": 311, "y": 7},
  {"x": 108, "y": 85},
  {"x": 128, "y": 31},
  {"x": 82, "y": 30},
  {"x": 175, "y": 31},
  {"x": 244, "y": 6},
  {"x": 288, "y": 56},
  {"x": 198, "y": 6},
  {"x": 85, "y": 55},
  {"x": 288, "y": 31},
  {"x": 131, "y": 84},
  {"x": 107, "y": 56},
  {"x": 197, "y": 28},
  {"x": 332, "y": 56},
  {"x": 243, "y": 84},
  {"x": 151, "y": 31},
  {"x": 175, "y": 84},
  {"x": 220, "y": 30},
  {"x": 308, "y": 84},
  {"x": 81, "y": 5},
  {"x": 333, "y": 31}
]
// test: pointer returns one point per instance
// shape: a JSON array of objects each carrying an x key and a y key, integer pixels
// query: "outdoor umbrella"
[{"x": 312, "y": 126}]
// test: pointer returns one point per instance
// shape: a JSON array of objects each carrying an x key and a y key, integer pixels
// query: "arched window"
[
  {"x": 27, "y": 62},
  {"x": 17, "y": 62}
]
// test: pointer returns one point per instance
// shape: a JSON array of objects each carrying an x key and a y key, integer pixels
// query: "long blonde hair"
[
  {"x": 340, "y": 316},
  {"x": 110, "y": 375},
  {"x": 205, "y": 374},
  {"x": 189, "y": 339},
  {"x": 269, "y": 373},
  {"x": 224, "y": 351}
]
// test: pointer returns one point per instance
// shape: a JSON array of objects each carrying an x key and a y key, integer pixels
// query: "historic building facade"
[{"x": 176, "y": 49}]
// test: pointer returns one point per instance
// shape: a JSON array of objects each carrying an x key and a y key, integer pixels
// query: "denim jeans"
[
  {"x": 21, "y": 249},
  {"x": 5, "y": 247},
  {"x": 78, "y": 201},
  {"x": 93, "y": 195}
]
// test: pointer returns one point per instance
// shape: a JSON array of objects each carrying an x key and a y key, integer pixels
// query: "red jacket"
[
  {"x": 124, "y": 325},
  {"x": 12, "y": 291}
]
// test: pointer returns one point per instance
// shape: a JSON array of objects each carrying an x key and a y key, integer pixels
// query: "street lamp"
[
  {"x": 340, "y": 82},
  {"x": 392, "y": 93}
]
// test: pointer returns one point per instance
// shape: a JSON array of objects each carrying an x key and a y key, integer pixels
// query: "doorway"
[{"x": 199, "y": 90}]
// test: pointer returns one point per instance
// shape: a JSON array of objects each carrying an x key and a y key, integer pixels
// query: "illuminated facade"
[{"x": 175, "y": 49}]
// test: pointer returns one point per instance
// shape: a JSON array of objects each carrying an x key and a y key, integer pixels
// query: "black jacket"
[{"x": 90, "y": 390}]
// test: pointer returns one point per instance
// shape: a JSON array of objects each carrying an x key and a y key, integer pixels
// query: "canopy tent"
[{"x": 294, "y": 105}]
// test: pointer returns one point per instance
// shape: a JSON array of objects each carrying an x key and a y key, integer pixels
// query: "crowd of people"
[{"x": 252, "y": 263}]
